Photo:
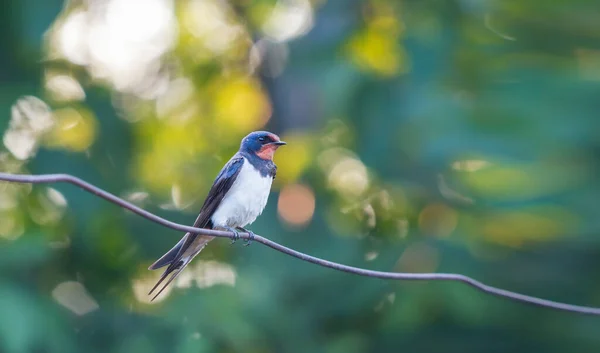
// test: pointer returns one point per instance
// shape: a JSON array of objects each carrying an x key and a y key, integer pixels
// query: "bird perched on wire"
[{"x": 238, "y": 195}]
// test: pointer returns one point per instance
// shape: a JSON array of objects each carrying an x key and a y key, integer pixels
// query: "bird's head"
[{"x": 261, "y": 143}]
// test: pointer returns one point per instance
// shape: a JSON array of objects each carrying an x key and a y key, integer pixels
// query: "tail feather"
[
  {"x": 160, "y": 280},
  {"x": 175, "y": 270},
  {"x": 169, "y": 257},
  {"x": 178, "y": 258}
]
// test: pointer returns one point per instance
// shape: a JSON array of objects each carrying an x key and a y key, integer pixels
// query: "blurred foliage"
[{"x": 449, "y": 136}]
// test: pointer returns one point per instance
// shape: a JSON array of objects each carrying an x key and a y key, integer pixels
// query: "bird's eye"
[{"x": 261, "y": 139}]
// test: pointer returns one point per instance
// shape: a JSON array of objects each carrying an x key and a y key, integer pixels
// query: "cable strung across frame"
[{"x": 402, "y": 276}]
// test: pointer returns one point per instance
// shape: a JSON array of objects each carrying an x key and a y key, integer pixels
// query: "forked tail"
[{"x": 178, "y": 258}]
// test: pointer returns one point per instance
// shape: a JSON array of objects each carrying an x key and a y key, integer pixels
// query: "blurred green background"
[{"x": 424, "y": 136}]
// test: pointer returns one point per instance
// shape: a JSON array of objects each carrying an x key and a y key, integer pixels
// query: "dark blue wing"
[{"x": 221, "y": 185}]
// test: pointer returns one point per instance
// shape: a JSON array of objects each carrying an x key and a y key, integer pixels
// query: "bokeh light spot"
[
  {"x": 12, "y": 225},
  {"x": 241, "y": 105},
  {"x": 204, "y": 273},
  {"x": 64, "y": 88},
  {"x": 169, "y": 149},
  {"x": 213, "y": 23},
  {"x": 418, "y": 258},
  {"x": 470, "y": 165},
  {"x": 349, "y": 177},
  {"x": 516, "y": 228},
  {"x": 438, "y": 220},
  {"x": 141, "y": 286},
  {"x": 289, "y": 19},
  {"x": 47, "y": 208},
  {"x": 30, "y": 119},
  {"x": 514, "y": 181},
  {"x": 118, "y": 44},
  {"x": 296, "y": 205},
  {"x": 72, "y": 37},
  {"x": 376, "y": 48},
  {"x": 293, "y": 159},
  {"x": 371, "y": 255},
  {"x": 73, "y": 296},
  {"x": 74, "y": 130}
]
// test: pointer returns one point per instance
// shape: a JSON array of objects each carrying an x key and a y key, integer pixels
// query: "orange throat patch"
[{"x": 266, "y": 152}]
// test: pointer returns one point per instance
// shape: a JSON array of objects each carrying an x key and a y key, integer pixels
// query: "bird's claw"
[
  {"x": 250, "y": 235},
  {"x": 236, "y": 235},
  {"x": 250, "y": 238}
]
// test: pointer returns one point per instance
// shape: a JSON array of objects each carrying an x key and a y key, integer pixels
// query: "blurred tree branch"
[{"x": 56, "y": 178}]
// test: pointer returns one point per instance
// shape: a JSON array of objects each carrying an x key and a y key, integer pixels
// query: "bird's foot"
[
  {"x": 236, "y": 234},
  {"x": 250, "y": 236}
]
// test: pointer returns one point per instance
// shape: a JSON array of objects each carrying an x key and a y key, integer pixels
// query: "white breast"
[{"x": 245, "y": 200}]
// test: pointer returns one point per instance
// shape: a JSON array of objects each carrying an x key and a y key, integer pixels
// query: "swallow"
[{"x": 237, "y": 197}]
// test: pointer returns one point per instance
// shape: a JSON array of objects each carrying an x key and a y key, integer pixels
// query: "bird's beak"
[{"x": 279, "y": 143}]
